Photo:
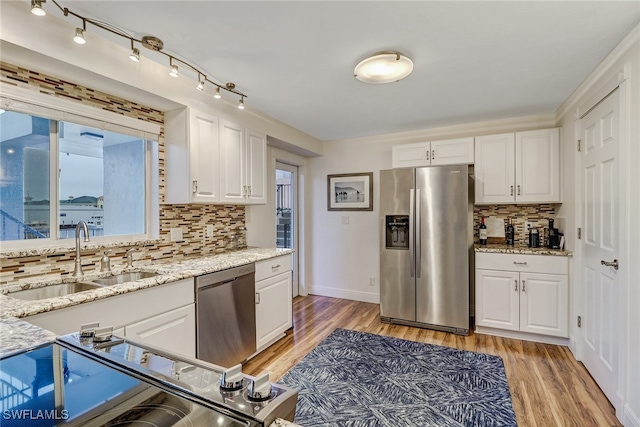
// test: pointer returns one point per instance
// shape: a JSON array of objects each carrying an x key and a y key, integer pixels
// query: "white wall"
[{"x": 623, "y": 64}]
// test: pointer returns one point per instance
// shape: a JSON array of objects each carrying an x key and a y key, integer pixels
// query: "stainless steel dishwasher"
[{"x": 226, "y": 316}]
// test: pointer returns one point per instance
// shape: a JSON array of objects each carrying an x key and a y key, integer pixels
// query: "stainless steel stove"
[{"x": 91, "y": 378}]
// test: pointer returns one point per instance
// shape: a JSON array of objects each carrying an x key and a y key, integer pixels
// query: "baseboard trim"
[
  {"x": 345, "y": 294},
  {"x": 631, "y": 419},
  {"x": 525, "y": 336}
]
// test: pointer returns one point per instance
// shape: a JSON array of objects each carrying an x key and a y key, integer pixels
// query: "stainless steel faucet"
[
  {"x": 130, "y": 255},
  {"x": 77, "y": 271}
]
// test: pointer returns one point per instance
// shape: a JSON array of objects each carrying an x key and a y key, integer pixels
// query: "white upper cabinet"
[
  {"x": 244, "y": 164},
  {"x": 192, "y": 157},
  {"x": 521, "y": 167},
  {"x": 444, "y": 152}
]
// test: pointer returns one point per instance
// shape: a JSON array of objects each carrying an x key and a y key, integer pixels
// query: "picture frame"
[{"x": 350, "y": 192}]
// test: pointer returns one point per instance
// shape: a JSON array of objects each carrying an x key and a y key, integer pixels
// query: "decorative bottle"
[
  {"x": 510, "y": 234},
  {"x": 482, "y": 233}
]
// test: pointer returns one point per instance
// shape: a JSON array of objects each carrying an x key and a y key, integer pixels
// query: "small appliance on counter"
[
  {"x": 553, "y": 241},
  {"x": 93, "y": 378},
  {"x": 534, "y": 238}
]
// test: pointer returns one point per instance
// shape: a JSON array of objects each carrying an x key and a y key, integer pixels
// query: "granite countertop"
[
  {"x": 519, "y": 249},
  {"x": 16, "y": 334}
]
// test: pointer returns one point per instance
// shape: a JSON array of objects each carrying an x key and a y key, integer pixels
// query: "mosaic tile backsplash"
[
  {"x": 228, "y": 221},
  {"x": 538, "y": 215}
]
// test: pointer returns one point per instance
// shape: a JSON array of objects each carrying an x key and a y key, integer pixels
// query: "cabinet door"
[
  {"x": 497, "y": 299},
  {"x": 452, "y": 152},
  {"x": 411, "y": 155},
  {"x": 274, "y": 309},
  {"x": 544, "y": 304},
  {"x": 494, "y": 169},
  {"x": 256, "y": 167},
  {"x": 204, "y": 158},
  {"x": 538, "y": 166},
  {"x": 232, "y": 163},
  {"x": 174, "y": 331}
]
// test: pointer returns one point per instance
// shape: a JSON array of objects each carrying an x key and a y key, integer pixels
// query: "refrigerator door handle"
[
  {"x": 418, "y": 249},
  {"x": 412, "y": 255}
]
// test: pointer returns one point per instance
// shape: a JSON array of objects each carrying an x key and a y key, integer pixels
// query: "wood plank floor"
[{"x": 548, "y": 386}]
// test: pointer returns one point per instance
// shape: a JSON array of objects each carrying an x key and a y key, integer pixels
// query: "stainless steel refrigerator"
[{"x": 427, "y": 238}]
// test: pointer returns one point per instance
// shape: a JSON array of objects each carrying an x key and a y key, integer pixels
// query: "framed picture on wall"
[{"x": 350, "y": 192}]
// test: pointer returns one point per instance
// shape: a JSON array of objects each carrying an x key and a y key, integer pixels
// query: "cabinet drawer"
[
  {"x": 272, "y": 267},
  {"x": 548, "y": 264}
]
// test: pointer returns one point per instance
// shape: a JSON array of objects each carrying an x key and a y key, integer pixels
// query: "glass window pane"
[
  {"x": 102, "y": 181},
  {"x": 24, "y": 176}
]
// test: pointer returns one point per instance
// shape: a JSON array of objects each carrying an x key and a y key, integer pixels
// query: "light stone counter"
[
  {"x": 16, "y": 334},
  {"x": 524, "y": 250}
]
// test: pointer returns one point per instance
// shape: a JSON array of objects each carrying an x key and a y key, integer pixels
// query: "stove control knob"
[
  {"x": 231, "y": 378},
  {"x": 87, "y": 330},
  {"x": 103, "y": 334},
  {"x": 260, "y": 387}
]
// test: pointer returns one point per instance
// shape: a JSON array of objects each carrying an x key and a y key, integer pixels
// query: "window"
[{"x": 104, "y": 179}]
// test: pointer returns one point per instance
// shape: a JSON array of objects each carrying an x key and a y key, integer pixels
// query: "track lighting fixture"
[
  {"x": 148, "y": 41},
  {"x": 79, "y": 36},
  {"x": 36, "y": 7}
]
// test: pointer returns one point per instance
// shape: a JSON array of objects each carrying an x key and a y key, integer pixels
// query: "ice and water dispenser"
[{"x": 397, "y": 232}]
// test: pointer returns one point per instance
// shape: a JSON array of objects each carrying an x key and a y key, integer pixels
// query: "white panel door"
[
  {"x": 538, "y": 166},
  {"x": 204, "y": 158},
  {"x": 452, "y": 151},
  {"x": 544, "y": 304},
  {"x": 174, "y": 331},
  {"x": 495, "y": 168},
  {"x": 497, "y": 299},
  {"x": 274, "y": 309},
  {"x": 256, "y": 145},
  {"x": 600, "y": 243},
  {"x": 411, "y": 155},
  {"x": 232, "y": 163}
]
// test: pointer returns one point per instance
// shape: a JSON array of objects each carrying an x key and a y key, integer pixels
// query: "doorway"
[{"x": 286, "y": 215}]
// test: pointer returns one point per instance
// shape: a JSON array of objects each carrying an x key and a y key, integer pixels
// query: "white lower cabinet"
[
  {"x": 524, "y": 293},
  {"x": 162, "y": 316},
  {"x": 274, "y": 308},
  {"x": 173, "y": 331}
]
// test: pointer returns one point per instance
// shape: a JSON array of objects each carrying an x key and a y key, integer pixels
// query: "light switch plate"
[
  {"x": 209, "y": 230},
  {"x": 176, "y": 234}
]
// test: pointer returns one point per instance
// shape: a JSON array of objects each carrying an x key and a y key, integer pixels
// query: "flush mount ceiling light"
[
  {"x": 150, "y": 42},
  {"x": 383, "y": 67}
]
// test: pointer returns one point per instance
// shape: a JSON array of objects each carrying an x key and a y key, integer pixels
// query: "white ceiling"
[{"x": 473, "y": 61}]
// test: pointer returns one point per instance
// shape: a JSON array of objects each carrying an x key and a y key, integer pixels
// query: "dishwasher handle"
[{"x": 204, "y": 287}]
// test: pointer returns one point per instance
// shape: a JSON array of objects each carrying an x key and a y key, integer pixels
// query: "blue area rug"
[{"x": 359, "y": 379}]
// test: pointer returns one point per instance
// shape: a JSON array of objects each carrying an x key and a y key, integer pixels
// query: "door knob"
[{"x": 613, "y": 263}]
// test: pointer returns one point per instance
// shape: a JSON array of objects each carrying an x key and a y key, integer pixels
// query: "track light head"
[
  {"x": 217, "y": 95},
  {"x": 36, "y": 7},
  {"x": 135, "y": 54},
  {"x": 174, "y": 71},
  {"x": 200, "y": 86},
  {"x": 241, "y": 103},
  {"x": 79, "y": 36}
]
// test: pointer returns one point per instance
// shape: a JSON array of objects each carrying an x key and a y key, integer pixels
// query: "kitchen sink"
[
  {"x": 123, "y": 278},
  {"x": 53, "y": 291}
]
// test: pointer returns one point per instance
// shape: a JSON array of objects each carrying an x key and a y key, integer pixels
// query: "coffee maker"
[{"x": 554, "y": 237}]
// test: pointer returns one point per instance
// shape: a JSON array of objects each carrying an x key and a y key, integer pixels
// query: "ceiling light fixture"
[
  {"x": 241, "y": 104},
  {"x": 36, "y": 7},
  {"x": 79, "y": 36},
  {"x": 383, "y": 67},
  {"x": 135, "y": 53},
  {"x": 148, "y": 41}
]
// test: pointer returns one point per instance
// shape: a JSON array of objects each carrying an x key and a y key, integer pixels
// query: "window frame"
[{"x": 22, "y": 100}]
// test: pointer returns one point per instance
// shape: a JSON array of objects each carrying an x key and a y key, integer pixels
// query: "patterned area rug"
[{"x": 359, "y": 379}]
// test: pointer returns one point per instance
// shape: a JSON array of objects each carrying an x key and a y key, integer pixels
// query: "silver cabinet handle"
[
  {"x": 520, "y": 263},
  {"x": 257, "y": 297},
  {"x": 433, "y": 154},
  {"x": 518, "y": 190},
  {"x": 516, "y": 285},
  {"x": 195, "y": 185},
  {"x": 613, "y": 263},
  {"x": 249, "y": 190},
  {"x": 512, "y": 190},
  {"x": 524, "y": 286},
  {"x": 275, "y": 267},
  {"x": 428, "y": 155}
]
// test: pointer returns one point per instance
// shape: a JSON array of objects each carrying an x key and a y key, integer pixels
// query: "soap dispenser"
[{"x": 105, "y": 262}]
